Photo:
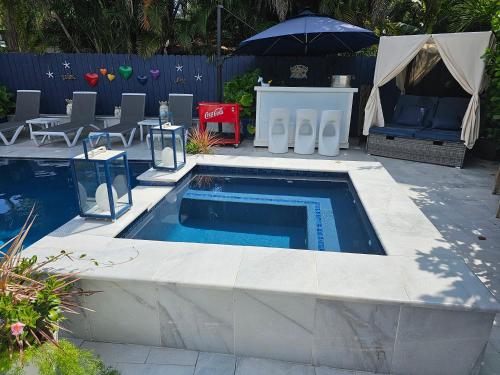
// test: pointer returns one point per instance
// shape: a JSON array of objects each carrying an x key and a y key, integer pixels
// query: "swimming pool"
[
  {"x": 45, "y": 184},
  {"x": 254, "y": 207}
]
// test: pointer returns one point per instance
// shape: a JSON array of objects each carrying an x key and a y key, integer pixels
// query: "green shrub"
[
  {"x": 492, "y": 60},
  {"x": 241, "y": 90},
  {"x": 51, "y": 359},
  {"x": 6, "y": 102}
]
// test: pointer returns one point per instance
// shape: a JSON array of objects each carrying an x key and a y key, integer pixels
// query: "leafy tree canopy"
[{"x": 150, "y": 27}]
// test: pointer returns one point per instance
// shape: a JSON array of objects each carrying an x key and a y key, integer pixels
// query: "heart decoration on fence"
[
  {"x": 91, "y": 79},
  {"x": 125, "y": 71},
  {"x": 111, "y": 77},
  {"x": 155, "y": 73},
  {"x": 103, "y": 71},
  {"x": 142, "y": 79}
]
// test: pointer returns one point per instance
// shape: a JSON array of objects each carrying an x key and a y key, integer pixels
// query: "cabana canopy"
[{"x": 460, "y": 52}]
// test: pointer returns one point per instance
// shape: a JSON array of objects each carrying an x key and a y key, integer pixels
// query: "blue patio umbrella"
[{"x": 308, "y": 34}]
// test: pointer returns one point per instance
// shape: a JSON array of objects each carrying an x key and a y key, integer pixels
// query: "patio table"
[
  {"x": 146, "y": 123},
  {"x": 43, "y": 122}
]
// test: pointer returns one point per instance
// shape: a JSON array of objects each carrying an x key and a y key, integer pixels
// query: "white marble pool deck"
[
  {"x": 250, "y": 301},
  {"x": 419, "y": 268},
  {"x": 457, "y": 201}
]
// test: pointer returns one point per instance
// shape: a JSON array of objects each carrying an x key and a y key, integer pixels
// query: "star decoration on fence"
[
  {"x": 198, "y": 77},
  {"x": 179, "y": 67},
  {"x": 50, "y": 74},
  {"x": 66, "y": 65}
]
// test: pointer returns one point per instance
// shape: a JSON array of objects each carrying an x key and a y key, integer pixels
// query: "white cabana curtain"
[
  {"x": 394, "y": 54},
  {"x": 461, "y": 53},
  {"x": 462, "y": 57}
]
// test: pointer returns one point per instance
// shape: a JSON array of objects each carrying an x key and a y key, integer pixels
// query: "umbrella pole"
[{"x": 219, "y": 62}]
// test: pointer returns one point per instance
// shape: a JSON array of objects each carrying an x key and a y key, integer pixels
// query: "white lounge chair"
[
  {"x": 279, "y": 123},
  {"x": 329, "y": 133},
  {"x": 132, "y": 112},
  {"x": 306, "y": 128},
  {"x": 82, "y": 116},
  {"x": 27, "y": 108}
]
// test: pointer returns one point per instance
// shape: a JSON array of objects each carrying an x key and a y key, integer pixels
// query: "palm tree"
[{"x": 472, "y": 15}]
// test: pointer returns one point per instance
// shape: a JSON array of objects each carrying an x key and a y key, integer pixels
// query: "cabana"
[{"x": 426, "y": 141}]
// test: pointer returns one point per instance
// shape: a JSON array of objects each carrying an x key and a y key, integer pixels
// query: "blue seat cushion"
[
  {"x": 439, "y": 135},
  {"x": 395, "y": 130}
]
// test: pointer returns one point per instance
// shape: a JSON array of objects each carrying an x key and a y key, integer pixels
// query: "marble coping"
[{"x": 419, "y": 268}]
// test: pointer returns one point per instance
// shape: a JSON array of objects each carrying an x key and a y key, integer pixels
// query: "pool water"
[
  {"x": 46, "y": 185},
  {"x": 297, "y": 210}
]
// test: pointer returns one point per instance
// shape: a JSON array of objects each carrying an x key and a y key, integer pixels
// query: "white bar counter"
[{"x": 293, "y": 98}]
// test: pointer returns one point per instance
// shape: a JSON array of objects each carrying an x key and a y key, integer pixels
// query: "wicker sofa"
[{"x": 425, "y": 129}]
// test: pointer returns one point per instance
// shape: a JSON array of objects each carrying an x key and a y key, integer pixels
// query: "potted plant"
[
  {"x": 241, "y": 90},
  {"x": 6, "y": 103},
  {"x": 32, "y": 307},
  {"x": 200, "y": 142}
]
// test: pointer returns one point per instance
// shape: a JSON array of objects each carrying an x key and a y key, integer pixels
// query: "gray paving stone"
[
  {"x": 169, "y": 356},
  {"x": 151, "y": 369},
  {"x": 258, "y": 366},
  {"x": 322, "y": 370},
  {"x": 112, "y": 353},
  {"x": 215, "y": 364},
  {"x": 491, "y": 362}
]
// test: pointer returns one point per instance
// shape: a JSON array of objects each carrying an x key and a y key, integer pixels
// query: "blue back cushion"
[
  {"x": 408, "y": 110},
  {"x": 450, "y": 113},
  {"x": 447, "y": 123},
  {"x": 411, "y": 116}
]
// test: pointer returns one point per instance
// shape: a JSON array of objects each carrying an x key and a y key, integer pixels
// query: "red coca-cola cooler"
[{"x": 221, "y": 113}]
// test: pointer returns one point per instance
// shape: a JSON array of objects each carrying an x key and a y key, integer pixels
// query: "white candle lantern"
[
  {"x": 102, "y": 181},
  {"x": 168, "y": 149}
]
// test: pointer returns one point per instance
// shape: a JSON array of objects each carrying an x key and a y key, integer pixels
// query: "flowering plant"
[{"x": 32, "y": 303}]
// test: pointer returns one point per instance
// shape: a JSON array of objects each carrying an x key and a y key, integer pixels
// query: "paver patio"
[
  {"x": 457, "y": 201},
  {"x": 148, "y": 360}
]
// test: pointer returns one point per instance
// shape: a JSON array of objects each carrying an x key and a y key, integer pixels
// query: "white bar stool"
[
  {"x": 329, "y": 133},
  {"x": 279, "y": 122},
  {"x": 306, "y": 129}
]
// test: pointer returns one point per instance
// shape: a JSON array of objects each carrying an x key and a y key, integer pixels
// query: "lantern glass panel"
[
  {"x": 119, "y": 179},
  {"x": 92, "y": 188},
  {"x": 103, "y": 185},
  {"x": 168, "y": 147}
]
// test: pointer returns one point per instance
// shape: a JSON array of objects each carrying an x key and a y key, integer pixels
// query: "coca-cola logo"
[{"x": 216, "y": 112}]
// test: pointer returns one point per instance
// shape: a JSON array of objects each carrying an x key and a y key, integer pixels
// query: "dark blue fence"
[
  {"x": 191, "y": 74},
  {"x": 178, "y": 74}
]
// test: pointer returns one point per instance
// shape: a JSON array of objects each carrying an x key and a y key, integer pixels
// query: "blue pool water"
[
  {"x": 45, "y": 184},
  {"x": 298, "y": 210}
]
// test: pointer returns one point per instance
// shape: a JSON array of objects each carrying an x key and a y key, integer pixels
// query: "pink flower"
[{"x": 17, "y": 328}]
